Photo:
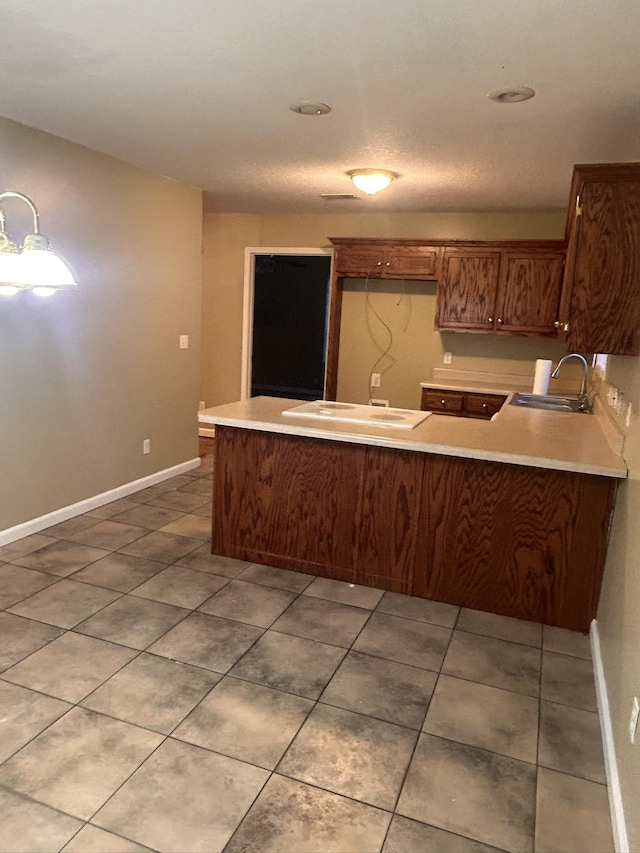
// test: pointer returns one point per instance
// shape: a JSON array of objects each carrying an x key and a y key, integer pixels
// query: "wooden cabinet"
[
  {"x": 504, "y": 289},
  {"x": 519, "y": 541},
  {"x": 399, "y": 259},
  {"x": 600, "y": 307},
  {"x": 465, "y": 404}
]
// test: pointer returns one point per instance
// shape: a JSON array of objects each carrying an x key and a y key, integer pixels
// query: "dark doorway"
[{"x": 290, "y": 313}]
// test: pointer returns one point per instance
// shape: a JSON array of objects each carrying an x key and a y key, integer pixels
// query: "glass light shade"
[
  {"x": 8, "y": 289},
  {"x": 42, "y": 267},
  {"x": 371, "y": 181},
  {"x": 9, "y": 268},
  {"x": 44, "y": 291}
]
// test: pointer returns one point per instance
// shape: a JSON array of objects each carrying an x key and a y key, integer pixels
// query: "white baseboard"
[
  {"x": 618, "y": 824},
  {"x": 58, "y": 515},
  {"x": 206, "y": 433}
]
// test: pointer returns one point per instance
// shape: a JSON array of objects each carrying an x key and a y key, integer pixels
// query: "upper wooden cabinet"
[
  {"x": 386, "y": 258},
  {"x": 509, "y": 288},
  {"x": 600, "y": 307}
]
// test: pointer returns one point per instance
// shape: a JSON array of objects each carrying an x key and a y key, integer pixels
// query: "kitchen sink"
[{"x": 552, "y": 403}]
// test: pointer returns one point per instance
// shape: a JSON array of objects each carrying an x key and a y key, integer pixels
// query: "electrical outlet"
[
  {"x": 633, "y": 722},
  {"x": 201, "y": 405},
  {"x": 375, "y": 380},
  {"x": 184, "y": 341},
  {"x": 146, "y": 445},
  {"x": 447, "y": 358}
]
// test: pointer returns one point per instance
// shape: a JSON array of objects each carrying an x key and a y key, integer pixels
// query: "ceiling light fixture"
[
  {"x": 310, "y": 108},
  {"x": 511, "y": 94},
  {"x": 35, "y": 266},
  {"x": 371, "y": 181}
]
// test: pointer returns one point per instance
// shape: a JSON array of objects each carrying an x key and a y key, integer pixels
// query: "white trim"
[
  {"x": 250, "y": 253},
  {"x": 58, "y": 515},
  {"x": 618, "y": 824},
  {"x": 207, "y": 433}
]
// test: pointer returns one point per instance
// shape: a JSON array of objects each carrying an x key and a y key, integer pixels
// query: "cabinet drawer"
[
  {"x": 414, "y": 262},
  {"x": 483, "y": 405},
  {"x": 442, "y": 401},
  {"x": 361, "y": 262}
]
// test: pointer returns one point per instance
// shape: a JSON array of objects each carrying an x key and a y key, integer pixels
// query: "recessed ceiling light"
[
  {"x": 511, "y": 94},
  {"x": 310, "y": 108}
]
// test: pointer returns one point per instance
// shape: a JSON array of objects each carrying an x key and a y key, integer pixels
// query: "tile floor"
[{"x": 155, "y": 697}]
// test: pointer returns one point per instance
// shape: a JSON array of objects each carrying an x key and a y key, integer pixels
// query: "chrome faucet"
[{"x": 585, "y": 368}]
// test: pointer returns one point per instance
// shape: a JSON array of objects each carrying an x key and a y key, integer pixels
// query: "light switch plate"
[{"x": 184, "y": 341}]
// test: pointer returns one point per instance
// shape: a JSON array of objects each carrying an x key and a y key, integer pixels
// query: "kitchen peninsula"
[{"x": 509, "y": 515}]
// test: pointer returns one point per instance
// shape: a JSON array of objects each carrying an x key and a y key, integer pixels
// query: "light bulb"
[{"x": 44, "y": 291}]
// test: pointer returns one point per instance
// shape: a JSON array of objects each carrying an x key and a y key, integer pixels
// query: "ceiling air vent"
[{"x": 339, "y": 196}]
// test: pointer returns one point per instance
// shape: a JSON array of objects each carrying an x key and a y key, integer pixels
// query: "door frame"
[{"x": 248, "y": 296}]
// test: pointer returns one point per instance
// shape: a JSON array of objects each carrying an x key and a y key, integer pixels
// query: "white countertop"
[{"x": 562, "y": 441}]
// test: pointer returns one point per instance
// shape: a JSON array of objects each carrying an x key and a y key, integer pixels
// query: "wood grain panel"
[
  {"x": 286, "y": 497},
  {"x": 420, "y": 262},
  {"x": 363, "y": 261},
  {"x": 523, "y": 542},
  {"x": 387, "y": 518},
  {"x": 529, "y": 293},
  {"x": 605, "y": 290},
  {"x": 467, "y": 290}
]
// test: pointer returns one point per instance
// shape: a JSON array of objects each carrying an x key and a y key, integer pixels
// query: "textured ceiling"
[{"x": 200, "y": 90}]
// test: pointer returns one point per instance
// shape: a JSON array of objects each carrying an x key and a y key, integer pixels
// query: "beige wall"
[
  {"x": 419, "y": 348},
  {"x": 619, "y": 611},
  {"x": 87, "y": 375}
]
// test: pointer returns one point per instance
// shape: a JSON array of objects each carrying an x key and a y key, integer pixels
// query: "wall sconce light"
[
  {"x": 371, "y": 181},
  {"x": 34, "y": 266}
]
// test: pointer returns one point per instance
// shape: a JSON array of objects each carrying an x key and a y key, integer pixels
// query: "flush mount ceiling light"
[
  {"x": 511, "y": 94},
  {"x": 35, "y": 266},
  {"x": 371, "y": 181},
  {"x": 310, "y": 108}
]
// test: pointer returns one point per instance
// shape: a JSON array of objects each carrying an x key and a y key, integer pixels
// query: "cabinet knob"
[
  {"x": 443, "y": 402},
  {"x": 565, "y": 328},
  {"x": 489, "y": 319},
  {"x": 499, "y": 319},
  {"x": 388, "y": 264},
  {"x": 557, "y": 324},
  {"x": 484, "y": 405}
]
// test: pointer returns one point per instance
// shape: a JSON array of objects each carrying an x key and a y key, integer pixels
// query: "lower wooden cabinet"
[
  {"x": 464, "y": 404},
  {"x": 509, "y": 539}
]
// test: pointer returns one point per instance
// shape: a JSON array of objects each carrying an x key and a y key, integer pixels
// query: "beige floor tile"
[
  {"x": 119, "y": 572},
  {"x": 483, "y": 716},
  {"x": 571, "y": 815},
  {"x": 27, "y": 827},
  {"x": 61, "y": 558},
  {"x": 163, "y": 547},
  {"x": 183, "y": 798},
  {"x": 207, "y": 641},
  {"x": 132, "y": 621},
  {"x": 152, "y": 692},
  {"x": 195, "y": 526},
  {"x": 568, "y": 680},
  {"x": 292, "y": 664},
  {"x": 248, "y": 602},
  {"x": 180, "y": 587},
  {"x": 90, "y": 839},
  {"x": 65, "y": 603},
  {"x": 292, "y": 816},
  {"x": 412, "y": 607},
  {"x": 279, "y": 578},
  {"x": 70, "y": 667},
  {"x": 246, "y": 721},
  {"x": 566, "y": 642},
  {"x": 404, "y": 640},
  {"x": 321, "y": 620},
  {"x": 500, "y": 627},
  {"x": 18, "y": 583},
  {"x": 351, "y": 754},
  {"x": 25, "y": 546},
  {"x": 509, "y": 666},
  {"x": 145, "y": 515},
  {"x": 344, "y": 593},
  {"x": 20, "y": 637},
  {"x": 410, "y": 836},
  {"x": 78, "y": 762},
  {"x": 571, "y": 742},
  {"x": 471, "y": 792},
  {"x": 202, "y": 560},
  {"x": 23, "y": 715},
  {"x": 107, "y": 534},
  {"x": 381, "y": 688}
]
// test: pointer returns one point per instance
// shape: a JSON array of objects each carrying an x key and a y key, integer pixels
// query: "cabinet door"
[
  {"x": 467, "y": 290},
  {"x": 442, "y": 402},
  {"x": 529, "y": 292},
  {"x": 364, "y": 261},
  {"x": 603, "y": 276},
  {"x": 482, "y": 405},
  {"x": 419, "y": 262}
]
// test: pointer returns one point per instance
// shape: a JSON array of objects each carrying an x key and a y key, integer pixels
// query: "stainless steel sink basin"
[{"x": 552, "y": 403}]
